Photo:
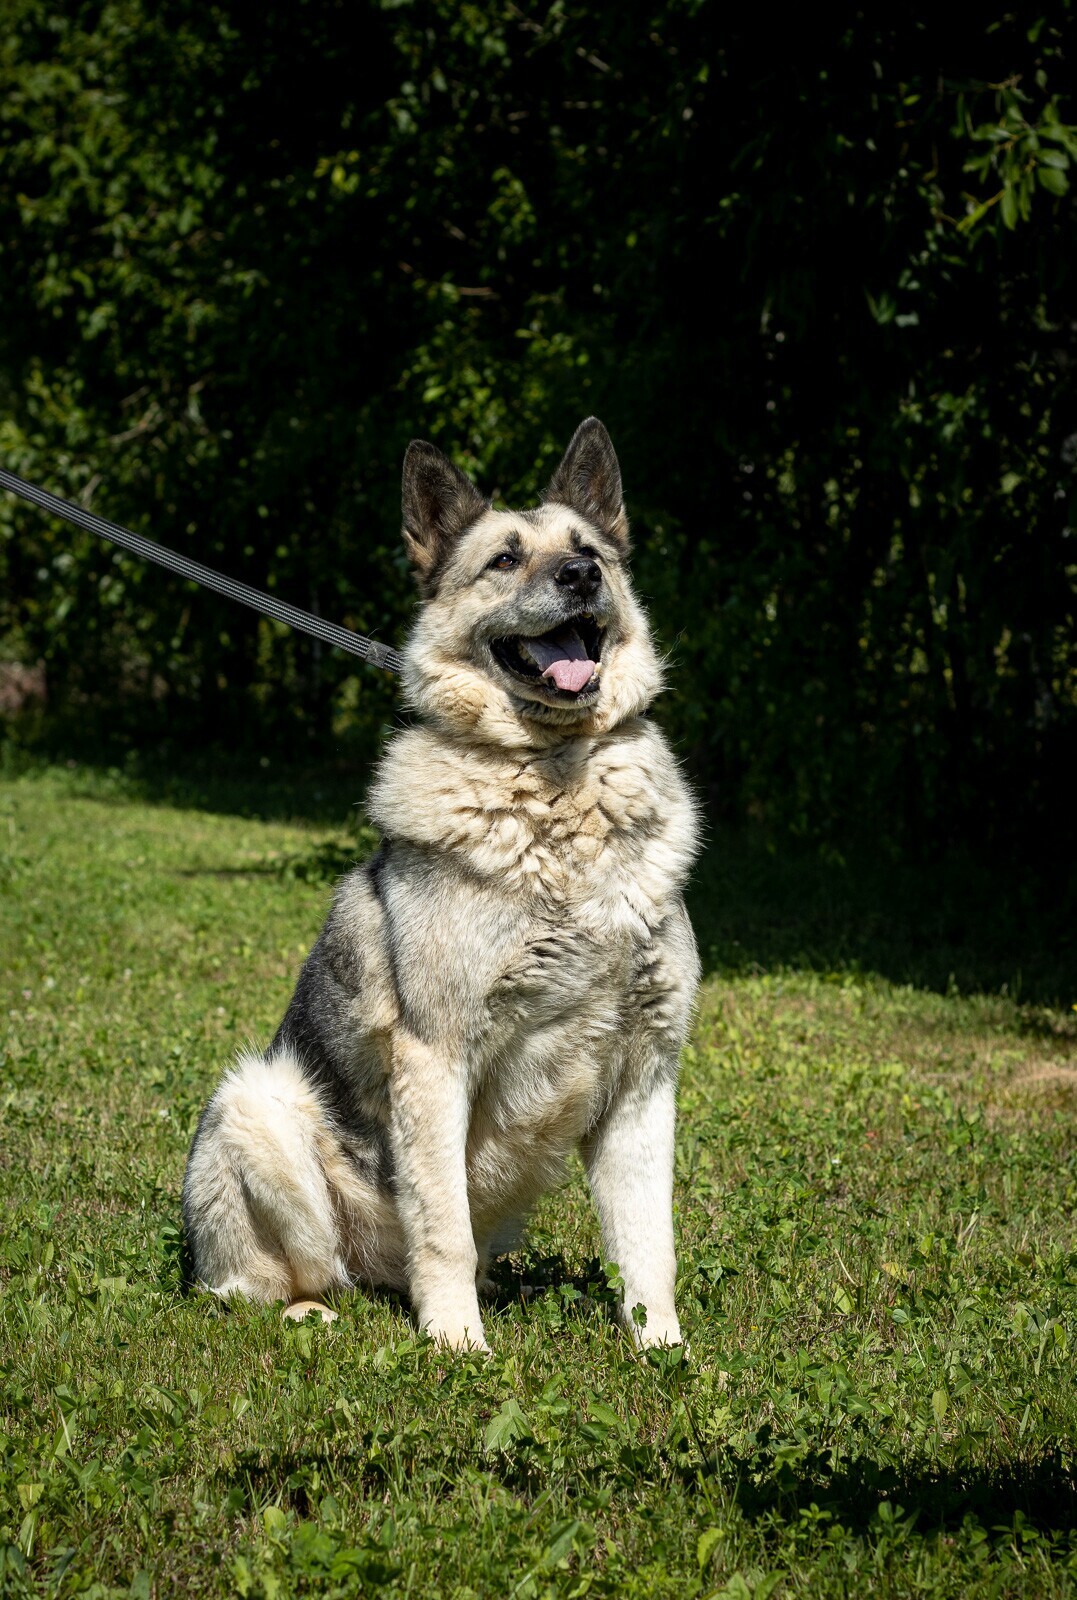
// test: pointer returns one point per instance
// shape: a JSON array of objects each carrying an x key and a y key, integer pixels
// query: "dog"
[{"x": 512, "y": 976}]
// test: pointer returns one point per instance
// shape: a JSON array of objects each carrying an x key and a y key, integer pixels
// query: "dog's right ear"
[
  {"x": 440, "y": 502},
  {"x": 589, "y": 480}
]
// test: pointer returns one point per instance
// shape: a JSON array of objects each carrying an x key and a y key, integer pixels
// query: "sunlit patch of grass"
[{"x": 876, "y": 1189}]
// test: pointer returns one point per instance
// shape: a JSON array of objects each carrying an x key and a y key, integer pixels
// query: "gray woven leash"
[{"x": 368, "y": 650}]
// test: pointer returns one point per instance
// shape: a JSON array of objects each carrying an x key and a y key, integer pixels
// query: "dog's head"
[{"x": 529, "y": 630}]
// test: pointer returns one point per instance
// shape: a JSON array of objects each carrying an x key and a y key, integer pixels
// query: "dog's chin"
[{"x": 556, "y": 707}]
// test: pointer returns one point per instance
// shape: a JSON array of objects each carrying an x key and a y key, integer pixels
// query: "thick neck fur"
[
  {"x": 553, "y": 825},
  {"x": 603, "y": 823}
]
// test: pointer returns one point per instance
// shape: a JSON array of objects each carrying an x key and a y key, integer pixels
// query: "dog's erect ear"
[
  {"x": 589, "y": 480},
  {"x": 440, "y": 501}
]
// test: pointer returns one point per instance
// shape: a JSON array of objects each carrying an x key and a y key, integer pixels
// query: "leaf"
[
  {"x": 612, "y": 1274},
  {"x": 62, "y": 1440},
  {"x": 506, "y": 1426},
  {"x": 708, "y": 1540},
  {"x": 274, "y": 1521},
  {"x": 882, "y": 309},
  {"x": 1053, "y": 180},
  {"x": 843, "y": 1300},
  {"x": 735, "y": 1589},
  {"x": 976, "y": 215},
  {"x": 940, "y": 1401},
  {"x": 1008, "y": 206},
  {"x": 560, "y": 1545}
]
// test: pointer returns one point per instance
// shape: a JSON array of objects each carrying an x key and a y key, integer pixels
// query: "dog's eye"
[
  {"x": 587, "y": 550},
  {"x": 504, "y": 561}
]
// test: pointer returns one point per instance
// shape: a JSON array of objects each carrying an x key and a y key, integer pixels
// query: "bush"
[{"x": 819, "y": 287}]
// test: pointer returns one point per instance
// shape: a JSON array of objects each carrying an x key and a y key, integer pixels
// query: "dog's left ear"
[
  {"x": 439, "y": 503},
  {"x": 589, "y": 480}
]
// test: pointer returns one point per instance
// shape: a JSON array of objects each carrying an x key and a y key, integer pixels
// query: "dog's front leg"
[
  {"x": 430, "y": 1110},
  {"x": 629, "y": 1161}
]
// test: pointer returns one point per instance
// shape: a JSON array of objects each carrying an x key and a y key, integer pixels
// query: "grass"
[{"x": 876, "y": 1191}]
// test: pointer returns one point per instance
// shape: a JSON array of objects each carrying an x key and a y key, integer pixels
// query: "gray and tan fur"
[{"x": 511, "y": 977}]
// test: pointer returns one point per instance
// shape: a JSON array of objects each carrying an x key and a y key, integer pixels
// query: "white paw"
[
  {"x": 299, "y": 1309},
  {"x": 451, "y": 1336},
  {"x": 658, "y": 1331}
]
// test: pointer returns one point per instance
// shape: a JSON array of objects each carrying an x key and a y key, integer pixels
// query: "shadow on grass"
[
  {"x": 956, "y": 926},
  {"x": 514, "y": 1281},
  {"x": 961, "y": 923},
  {"x": 221, "y": 782},
  {"x": 1038, "y": 1495},
  {"x": 321, "y": 864},
  {"x": 1016, "y": 1503}
]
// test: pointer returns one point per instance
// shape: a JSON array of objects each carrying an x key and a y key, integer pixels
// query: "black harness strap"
[{"x": 356, "y": 644}]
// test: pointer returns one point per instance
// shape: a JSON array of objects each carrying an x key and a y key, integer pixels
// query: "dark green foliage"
[{"x": 817, "y": 280}]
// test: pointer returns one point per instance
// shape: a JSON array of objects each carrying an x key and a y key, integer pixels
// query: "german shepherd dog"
[{"x": 512, "y": 975}]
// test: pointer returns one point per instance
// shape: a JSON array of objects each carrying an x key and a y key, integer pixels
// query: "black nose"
[{"x": 581, "y": 575}]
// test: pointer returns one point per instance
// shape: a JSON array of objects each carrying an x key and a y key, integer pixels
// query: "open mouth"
[{"x": 567, "y": 659}]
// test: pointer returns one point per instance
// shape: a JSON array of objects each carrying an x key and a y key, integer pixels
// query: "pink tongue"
[
  {"x": 563, "y": 659},
  {"x": 570, "y": 674}
]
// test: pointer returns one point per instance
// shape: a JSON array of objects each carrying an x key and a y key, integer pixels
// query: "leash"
[{"x": 371, "y": 651}]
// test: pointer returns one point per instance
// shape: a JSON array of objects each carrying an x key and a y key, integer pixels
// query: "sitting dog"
[{"x": 512, "y": 975}]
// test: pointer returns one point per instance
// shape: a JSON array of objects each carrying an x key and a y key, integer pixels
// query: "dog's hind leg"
[{"x": 259, "y": 1212}]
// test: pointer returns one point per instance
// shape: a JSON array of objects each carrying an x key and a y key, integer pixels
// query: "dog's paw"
[
  {"x": 658, "y": 1333},
  {"x": 466, "y": 1343},
  {"x": 300, "y": 1308},
  {"x": 450, "y": 1336}
]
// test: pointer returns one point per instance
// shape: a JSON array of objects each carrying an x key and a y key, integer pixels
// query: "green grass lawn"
[{"x": 876, "y": 1196}]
